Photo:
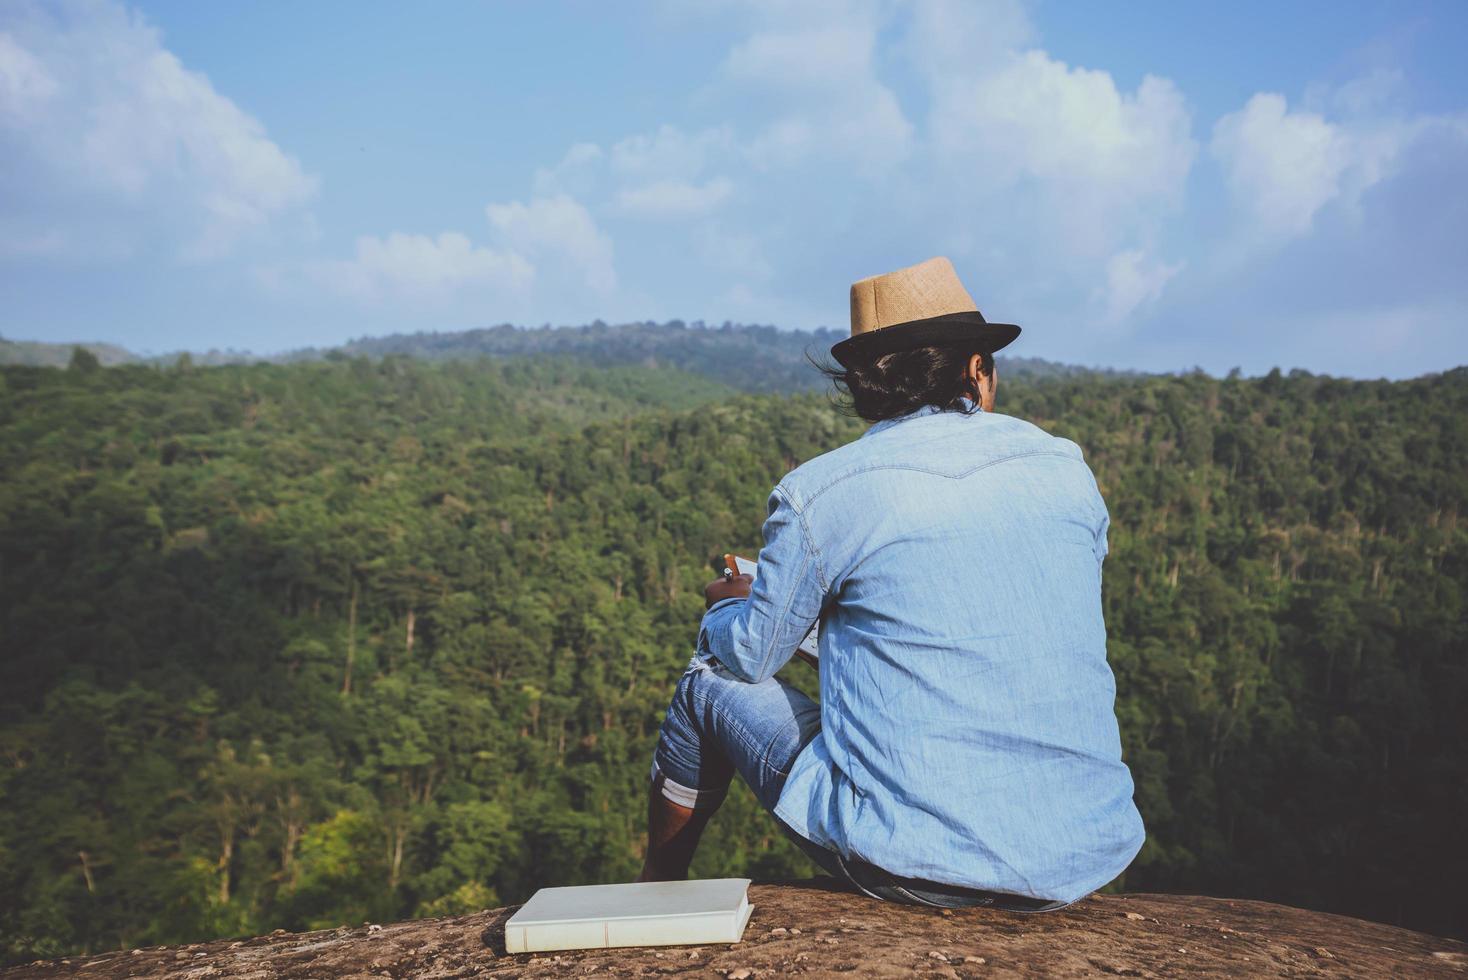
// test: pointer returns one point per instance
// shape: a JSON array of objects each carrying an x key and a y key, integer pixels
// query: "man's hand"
[{"x": 726, "y": 588}]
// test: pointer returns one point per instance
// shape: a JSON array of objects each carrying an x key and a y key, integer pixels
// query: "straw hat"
[{"x": 923, "y": 305}]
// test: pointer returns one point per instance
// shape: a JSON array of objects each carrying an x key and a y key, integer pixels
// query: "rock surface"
[{"x": 811, "y": 928}]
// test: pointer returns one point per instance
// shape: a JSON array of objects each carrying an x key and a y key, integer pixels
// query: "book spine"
[
  {"x": 562, "y": 935},
  {"x": 722, "y": 928}
]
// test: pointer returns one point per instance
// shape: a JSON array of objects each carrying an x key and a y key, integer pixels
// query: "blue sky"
[{"x": 1139, "y": 184}]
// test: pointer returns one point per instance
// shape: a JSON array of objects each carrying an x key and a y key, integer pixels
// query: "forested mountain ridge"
[
  {"x": 37, "y": 353},
  {"x": 742, "y": 356},
  {"x": 746, "y": 356},
  {"x": 298, "y": 645}
]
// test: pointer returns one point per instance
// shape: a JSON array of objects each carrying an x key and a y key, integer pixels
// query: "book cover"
[{"x": 809, "y": 648}]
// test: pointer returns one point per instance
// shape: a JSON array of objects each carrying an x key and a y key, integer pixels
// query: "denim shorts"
[{"x": 718, "y": 725}]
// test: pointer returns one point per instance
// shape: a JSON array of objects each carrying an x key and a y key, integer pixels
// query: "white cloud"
[
  {"x": 1284, "y": 167},
  {"x": 646, "y": 175},
  {"x": 559, "y": 227},
  {"x": 130, "y": 138},
  {"x": 1358, "y": 270},
  {"x": 1379, "y": 90},
  {"x": 1012, "y": 113},
  {"x": 421, "y": 268},
  {"x": 1281, "y": 166},
  {"x": 1103, "y": 158},
  {"x": 820, "y": 84},
  {"x": 948, "y": 38},
  {"x": 1047, "y": 182},
  {"x": 1133, "y": 280},
  {"x": 576, "y": 174},
  {"x": 670, "y": 199},
  {"x": 549, "y": 242},
  {"x": 668, "y": 153},
  {"x": 826, "y": 140},
  {"x": 1022, "y": 159},
  {"x": 25, "y": 85},
  {"x": 1061, "y": 194},
  {"x": 821, "y": 58}
]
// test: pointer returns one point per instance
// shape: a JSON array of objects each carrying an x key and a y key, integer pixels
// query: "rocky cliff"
[{"x": 810, "y": 928}]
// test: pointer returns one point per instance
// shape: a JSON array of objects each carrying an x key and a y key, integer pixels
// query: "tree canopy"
[{"x": 303, "y": 645}]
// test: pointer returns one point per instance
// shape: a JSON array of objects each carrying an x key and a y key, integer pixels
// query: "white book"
[
  {"x": 651, "y": 913},
  {"x": 809, "y": 649}
]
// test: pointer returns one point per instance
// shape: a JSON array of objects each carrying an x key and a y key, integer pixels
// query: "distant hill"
[
  {"x": 745, "y": 357},
  {"x": 39, "y": 353},
  {"x": 36, "y": 353},
  {"x": 748, "y": 357}
]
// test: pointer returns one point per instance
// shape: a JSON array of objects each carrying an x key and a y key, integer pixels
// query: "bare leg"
[{"x": 672, "y": 837}]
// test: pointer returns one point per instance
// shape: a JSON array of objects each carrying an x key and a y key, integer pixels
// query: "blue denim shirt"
[{"x": 968, "y": 728}]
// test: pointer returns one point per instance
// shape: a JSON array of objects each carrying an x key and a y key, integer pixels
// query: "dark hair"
[{"x": 896, "y": 384}]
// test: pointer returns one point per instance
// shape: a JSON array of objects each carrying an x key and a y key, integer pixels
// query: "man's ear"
[{"x": 983, "y": 382}]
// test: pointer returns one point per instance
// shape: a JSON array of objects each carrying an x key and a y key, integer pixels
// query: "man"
[{"x": 965, "y": 750}]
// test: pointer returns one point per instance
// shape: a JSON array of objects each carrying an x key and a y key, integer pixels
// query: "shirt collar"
[{"x": 919, "y": 413}]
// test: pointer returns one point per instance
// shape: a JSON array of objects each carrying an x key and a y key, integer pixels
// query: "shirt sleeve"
[{"x": 757, "y": 636}]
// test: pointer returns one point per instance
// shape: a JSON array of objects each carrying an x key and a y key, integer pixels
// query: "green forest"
[{"x": 362, "y": 638}]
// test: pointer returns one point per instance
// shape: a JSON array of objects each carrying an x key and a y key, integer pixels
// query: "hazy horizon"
[{"x": 147, "y": 355}]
